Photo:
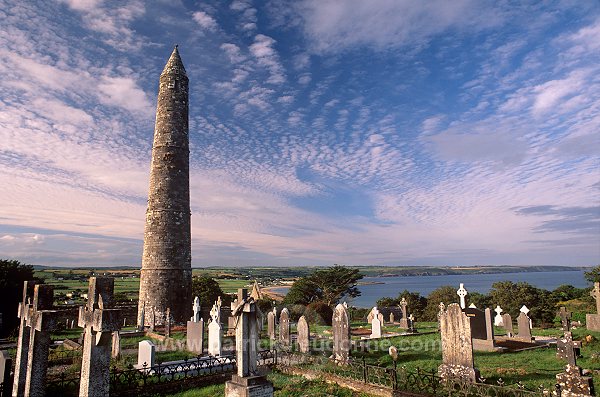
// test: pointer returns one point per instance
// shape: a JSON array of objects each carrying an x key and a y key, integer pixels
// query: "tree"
[
  {"x": 445, "y": 294},
  {"x": 302, "y": 292},
  {"x": 512, "y": 296},
  {"x": 328, "y": 285},
  {"x": 208, "y": 290},
  {"x": 567, "y": 292},
  {"x": 337, "y": 282},
  {"x": 478, "y": 299},
  {"x": 12, "y": 275},
  {"x": 593, "y": 276},
  {"x": 387, "y": 302}
]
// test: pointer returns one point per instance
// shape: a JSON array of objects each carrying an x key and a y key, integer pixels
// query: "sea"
[{"x": 379, "y": 287}]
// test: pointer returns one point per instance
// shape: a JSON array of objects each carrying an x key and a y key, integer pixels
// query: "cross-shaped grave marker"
[
  {"x": 99, "y": 321},
  {"x": 570, "y": 349},
  {"x": 23, "y": 341},
  {"x": 595, "y": 293},
  {"x": 196, "y": 308},
  {"x": 41, "y": 320},
  {"x": 565, "y": 318},
  {"x": 462, "y": 293}
]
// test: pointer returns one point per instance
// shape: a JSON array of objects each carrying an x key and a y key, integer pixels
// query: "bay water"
[{"x": 379, "y": 287}]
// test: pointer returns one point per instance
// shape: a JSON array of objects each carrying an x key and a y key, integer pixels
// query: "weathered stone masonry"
[{"x": 166, "y": 276}]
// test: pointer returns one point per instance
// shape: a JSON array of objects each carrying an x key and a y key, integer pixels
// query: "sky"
[{"x": 380, "y": 132}]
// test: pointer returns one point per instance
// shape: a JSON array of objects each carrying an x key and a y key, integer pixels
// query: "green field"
[{"x": 127, "y": 282}]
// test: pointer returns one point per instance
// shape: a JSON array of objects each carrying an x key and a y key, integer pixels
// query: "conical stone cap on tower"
[
  {"x": 166, "y": 275},
  {"x": 174, "y": 64}
]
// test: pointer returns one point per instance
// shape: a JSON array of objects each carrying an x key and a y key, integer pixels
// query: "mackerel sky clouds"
[{"x": 322, "y": 131}]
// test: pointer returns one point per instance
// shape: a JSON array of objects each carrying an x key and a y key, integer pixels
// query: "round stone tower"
[{"x": 166, "y": 276}]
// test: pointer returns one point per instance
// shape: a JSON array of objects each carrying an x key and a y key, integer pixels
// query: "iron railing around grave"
[
  {"x": 161, "y": 377},
  {"x": 56, "y": 357},
  {"x": 399, "y": 378}
]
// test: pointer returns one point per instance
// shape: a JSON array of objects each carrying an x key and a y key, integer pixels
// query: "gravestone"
[
  {"x": 99, "y": 320},
  {"x": 457, "y": 348},
  {"x": 152, "y": 319},
  {"x": 23, "y": 339},
  {"x": 404, "y": 319},
  {"x": 142, "y": 318},
  {"x": 376, "y": 328},
  {"x": 593, "y": 320},
  {"x": 571, "y": 382},
  {"x": 284, "y": 327},
  {"x": 146, "y": 354},
  {"x": 380, "y": 318},
  {"x": 525, "y": 309},
  {"x": 524, "y": 327},
  {"x": 215, "y": 335},
  {"x": 167, "y": 322},
  {"x": 482, "y": 329},
  {"x": 246, "y": 381},
  {"x": 195, "y": 330},
  {"x": 411, "y": 324},
  {"x": 195, "y": 336},
  {"x": 231, "y": 320},
  {"x": 5, "y": 378},
  {"x": 341, "y": 335},
  {"x": 562, "y": 345},
  {"x": 196, "y": 308},
  {"x": 565, "y": 318},
  {"x": 256, "y": 292},
  {"x": 372, "y": 314},
  {"x": 303, "y": 335},
  {"x": 462, "y": 293},
  {"x": 392, "y": 318},
  {"x": 271, "y": 324},
  {"x": 498, "y": 320},
  {"x": 116, "y": 345},
  {"x": 42, "y": 321},
  {"x": 215, "y": 311},
  {"x": 507, "y": 324}
]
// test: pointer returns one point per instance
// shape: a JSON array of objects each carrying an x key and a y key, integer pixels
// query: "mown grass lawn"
[{"x": 285, "y": 386}]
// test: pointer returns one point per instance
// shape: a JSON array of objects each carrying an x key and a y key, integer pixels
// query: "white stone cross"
[
  {"x": 595, "y": 293},
  {"x": 196, "y": 308},
  {"x": 462, "y": 293},
  {"x": 498, "y": 320},
  {"x": 215, "y": 312}
]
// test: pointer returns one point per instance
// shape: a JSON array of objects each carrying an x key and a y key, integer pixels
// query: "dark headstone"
[{"x": 477, "y": 321}]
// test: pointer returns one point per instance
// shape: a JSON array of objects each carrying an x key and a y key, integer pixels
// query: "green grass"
[{"x": 285, "y": 386}]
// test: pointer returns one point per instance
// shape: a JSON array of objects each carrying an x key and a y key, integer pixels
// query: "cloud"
[
  {"x": 112, "y": 22},
  {"x": 476, "y": 143},
  {"x": 579, "y": 220},
  {"x": 124, "y": 92},
  {"x": 263, "y": 50},
  {"x": 334, "y": 26},
  {"x": 204, "y": 20},
  {"x": 552, "y": 93},
  {"x": 233, "y": 52}
]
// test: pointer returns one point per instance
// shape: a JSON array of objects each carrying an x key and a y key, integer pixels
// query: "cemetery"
[
  {"x": 160, "y": 339},
  {"x": 467, "y": 348}
]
